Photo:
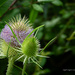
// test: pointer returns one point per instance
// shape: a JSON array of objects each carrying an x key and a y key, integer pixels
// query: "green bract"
[
  {"x": 30, "y": 46},
  {"x": 11, "y": 52}
]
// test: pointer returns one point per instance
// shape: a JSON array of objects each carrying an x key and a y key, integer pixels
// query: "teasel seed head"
[
  {"x": 30, "y": 46},
  {"x": 21, "y": 28}
]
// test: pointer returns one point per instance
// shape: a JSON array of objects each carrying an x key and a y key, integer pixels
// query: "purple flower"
[{"x": 20, "y": 28}]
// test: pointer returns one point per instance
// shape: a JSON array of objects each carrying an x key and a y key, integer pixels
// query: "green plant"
[{"x": 27, "y": 49}]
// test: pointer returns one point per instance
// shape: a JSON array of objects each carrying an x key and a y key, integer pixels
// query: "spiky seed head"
[
  {"x": 30, "y": 46},
  {"x": 21, "y": 28}
]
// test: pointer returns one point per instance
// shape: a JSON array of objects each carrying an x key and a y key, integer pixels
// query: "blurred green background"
[{"x": 58, "y": 16}]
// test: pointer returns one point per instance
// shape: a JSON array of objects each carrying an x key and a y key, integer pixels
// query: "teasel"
[
  {"x": 24, "y": 45},
  {"x": 8, "y": 43}
]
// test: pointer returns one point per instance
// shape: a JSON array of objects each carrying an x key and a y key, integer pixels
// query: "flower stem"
[
  {"x": 10, "y": 66},
  {"x": 24, "y": 67}
]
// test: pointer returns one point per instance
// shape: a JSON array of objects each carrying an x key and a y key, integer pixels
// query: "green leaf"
[
  {"x": 57, "y": 2},
  {"x": 37, "y": 7},
  {"x": 4, "y": 7},
  {"x": 33, "y": 15},
  {"x": 45, "y": 0},
  {"x": 49, "y": 43},
  {"x": 2, "y": 2},
  {"x": 52, "y": 23},
  {"x": 26, "y": 3},
  {"x": 67, "y": 15}
]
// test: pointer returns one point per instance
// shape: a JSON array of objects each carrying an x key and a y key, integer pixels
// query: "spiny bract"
[{"x": 30, "y": 46}]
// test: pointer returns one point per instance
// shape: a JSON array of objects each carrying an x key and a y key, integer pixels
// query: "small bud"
[{"x": 30, "y": 46}]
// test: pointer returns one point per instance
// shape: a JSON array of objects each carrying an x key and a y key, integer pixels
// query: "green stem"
[
  {"x": 10, "y": 66},
  {"x": 24, "y": 67}
]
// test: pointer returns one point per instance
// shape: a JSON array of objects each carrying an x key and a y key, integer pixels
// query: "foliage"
[{"x": 58, "y": 16}]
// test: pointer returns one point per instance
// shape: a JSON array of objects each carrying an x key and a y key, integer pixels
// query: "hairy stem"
[
  {"x": 24, "y": 67},
  {"x": 10, "y": 66}
]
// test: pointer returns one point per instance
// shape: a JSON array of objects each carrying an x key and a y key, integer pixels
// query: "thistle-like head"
[{"x": 21, "y": 28}]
